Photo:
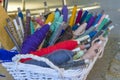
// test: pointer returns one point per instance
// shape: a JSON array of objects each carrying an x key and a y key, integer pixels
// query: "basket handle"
[{"x": 18, "y": 57}]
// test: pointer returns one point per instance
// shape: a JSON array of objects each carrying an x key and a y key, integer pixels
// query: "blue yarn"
[
  {"x": 57, "y": 57},
  {"x": 20, "y": 15},
  {"x": 6, "y": 56},
  {"x": 92, "y": 34},
  {"x": 83, "y": 17},
  {"x": 75, "y": 27},
  {"x": 97, "y": 19}
]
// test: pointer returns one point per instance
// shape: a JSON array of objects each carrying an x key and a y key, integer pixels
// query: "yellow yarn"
[
  {"x": 72, "y": 18},
  {"x": 50, "y": 18}
]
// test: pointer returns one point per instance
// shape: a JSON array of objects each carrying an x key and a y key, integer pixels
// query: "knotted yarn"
[
  {"x": 6, "y": 55},
  {"x": 68, "y": 45},
  {"x": 32, "y": 42},
  {"x": 57, "y": 57}
]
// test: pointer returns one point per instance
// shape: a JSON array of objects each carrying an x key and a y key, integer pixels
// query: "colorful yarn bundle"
[
  {"x": 71, "y": 44},
  {"x": 63, "y": 39},
  {"x": 32, "y": 42}
]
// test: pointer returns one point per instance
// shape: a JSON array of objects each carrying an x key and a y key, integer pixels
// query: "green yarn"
[
  {"x": 32, "y": 28},
  {"x": 78, "y": 55}
]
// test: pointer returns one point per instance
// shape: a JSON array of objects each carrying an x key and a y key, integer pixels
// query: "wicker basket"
[{"x": 21, "y": 71}]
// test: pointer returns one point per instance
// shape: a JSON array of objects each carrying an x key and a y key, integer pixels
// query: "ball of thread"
[
  {"x": 71, "y": 44},
  {"x": 32, "y": 42},
  {"x": 6, "y": 55},
  {"x": 57, "y": 57}
]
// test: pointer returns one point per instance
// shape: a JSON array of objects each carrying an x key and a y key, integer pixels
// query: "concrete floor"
[{"x": 111, "y": 7}]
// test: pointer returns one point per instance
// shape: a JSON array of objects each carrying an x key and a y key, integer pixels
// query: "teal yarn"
[
  {"x": 57, "y": 30},
  {"x": 75, "y": 27},
  {"x": 32, "y": 28},
  {"x": 57, "y": 15},
  {"x": 88, "y": 17}
]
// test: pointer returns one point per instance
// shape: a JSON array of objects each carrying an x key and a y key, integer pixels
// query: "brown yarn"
[{"x": 66, "y": 35}]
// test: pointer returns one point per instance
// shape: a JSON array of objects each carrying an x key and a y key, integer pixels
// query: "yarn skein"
[
  {"x": 88, "y": 17},
  {"x": 56, "y": 34},
  {"x": 32, "y": 42},
  {"x": 79, "y": 16},
  {"x": 32, "y": 28},
  {"x": 57, "y": 30},
  {"x": 84, "y": 16},
  {"x": 39, "y": 21},
  {"x": 72, "y": 18},
  {"x": 80, "y": 30},
  {"x": 27, "y": 28},
  {"x": 90, "y": 22},
  {"x": 6, "y": 55},
  {"x": 65, "y": 13},
  {"x": 57, "y": 57},
  {"x": 66, "y": 35},
  {"x": 50, "y": 18},
  {"x": 57, "y": 16},
  {"x": 71, "y": 44}
]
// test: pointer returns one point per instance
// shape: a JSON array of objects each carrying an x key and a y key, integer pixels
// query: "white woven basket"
[{"x": 21, "y": 71}]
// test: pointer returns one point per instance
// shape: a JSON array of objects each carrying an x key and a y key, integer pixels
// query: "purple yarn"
[
  {"x": 65, "y": 13},
  {"x": 27, "y": 28},
  {"x": 32, "y": 42},
  {"x": 92, "y": 19},
  {"x": 78, "y": 17}
]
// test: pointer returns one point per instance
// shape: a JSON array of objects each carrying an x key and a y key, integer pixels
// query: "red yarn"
[{"x": 68, "y": 45}]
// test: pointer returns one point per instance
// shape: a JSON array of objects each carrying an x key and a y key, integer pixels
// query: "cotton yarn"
[
  {"x": 65, "y": 13},
  {"x": 6, "y": 56},
  {"x": 71, "y": 44},
  {"x": 32, "y": 42},
  {"x": 79, "y": 15},
  {"x": 84, "y": 16},
  {"x": 57, "y": 57}
]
